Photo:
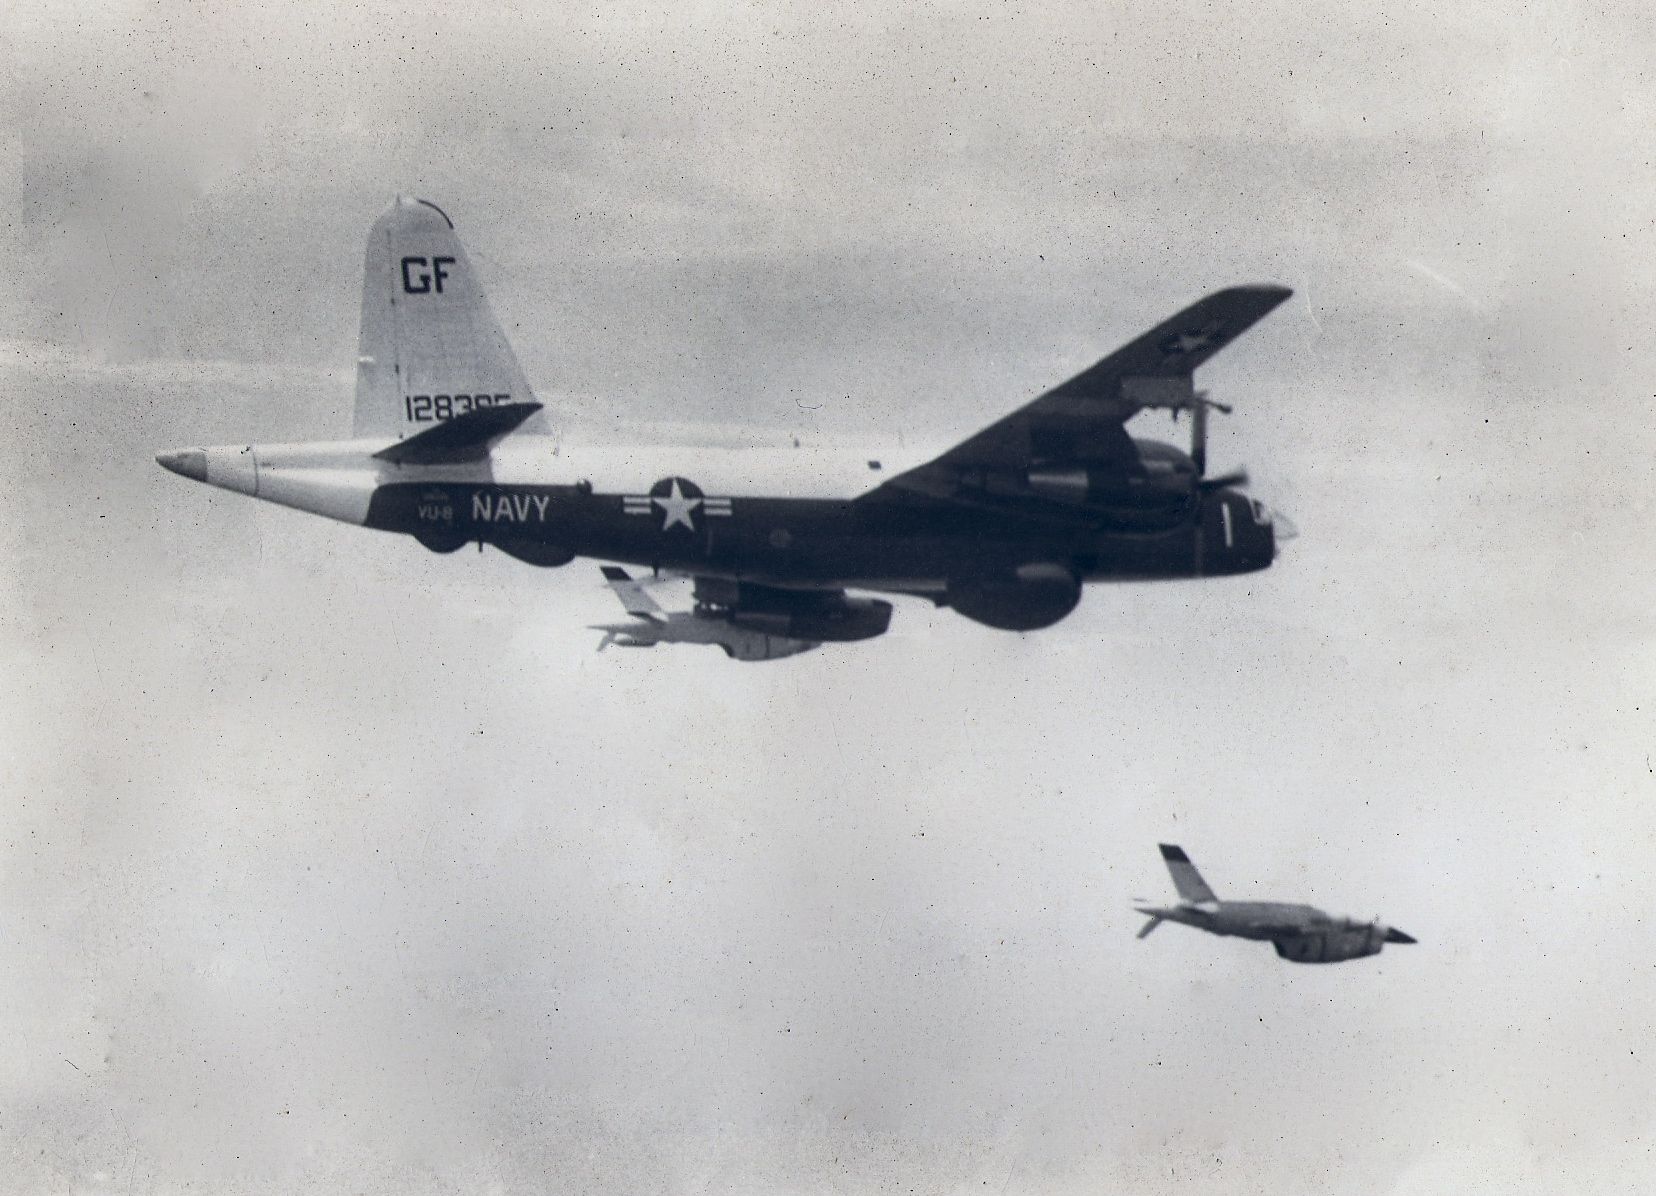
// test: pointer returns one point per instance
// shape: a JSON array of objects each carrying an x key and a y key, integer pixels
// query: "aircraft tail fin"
[
  {"x": 1155, "y": 921},
  {"x": 430, "y": 347},
  {"x": 632, "y": 594},
  {"x": 1186, "y": 879}
]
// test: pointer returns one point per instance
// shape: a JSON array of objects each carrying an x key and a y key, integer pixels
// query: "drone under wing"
[
  {"x": 1082, "y": 420},
  {"x": 741, "y": 633}
]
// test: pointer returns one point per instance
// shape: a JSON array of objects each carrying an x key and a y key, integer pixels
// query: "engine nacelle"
[
  {"x": 1082, "y": 484},
  {"x": 1035, "y": 596},
  {"x": 1332, "y": 945},
  {"x": 446, "y": 540},
  {"x": 765, "y": 647},
  {"x": 536, "y": 552}
]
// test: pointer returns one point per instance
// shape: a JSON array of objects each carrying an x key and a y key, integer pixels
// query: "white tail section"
[{"x": 430, "y": 347}]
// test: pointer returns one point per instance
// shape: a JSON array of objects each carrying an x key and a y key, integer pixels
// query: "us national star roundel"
[
  {"x": 677, "y": 501},
  {"x": 1192, "y": 340}
]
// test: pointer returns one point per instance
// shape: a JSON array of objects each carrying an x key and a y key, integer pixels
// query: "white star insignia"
[{"x": 676, "y": 507}]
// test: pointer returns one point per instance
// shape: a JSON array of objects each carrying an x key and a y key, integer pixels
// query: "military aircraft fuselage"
[
  {"x": 1009, "y": 551},
  {"x": 672, "y": 523},
  {"x": 1258, "y": 920},
  {"x": 1300, "y": 933}
]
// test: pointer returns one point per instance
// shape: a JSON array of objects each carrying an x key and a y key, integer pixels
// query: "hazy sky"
[{"x": 329, "y": 865}]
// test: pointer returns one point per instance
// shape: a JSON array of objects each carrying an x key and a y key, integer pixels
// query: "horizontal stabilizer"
[
  {"x": 466, "y": 437},
  {"x": 1155, "y": 921},
  {"x": 622, "y": 635}
]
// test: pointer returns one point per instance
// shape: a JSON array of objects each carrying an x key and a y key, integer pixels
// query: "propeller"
[
  {"x": 1236, "y": 477},
  {"x": 1199, "y": 407}
]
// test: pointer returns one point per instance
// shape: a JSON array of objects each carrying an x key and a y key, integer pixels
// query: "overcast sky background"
[{"x": 330, "y": 865}]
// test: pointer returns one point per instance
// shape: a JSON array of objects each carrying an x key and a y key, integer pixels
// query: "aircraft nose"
[
  {"x": 1393, "y": 935},
  {"x": 189, "y": 463}
]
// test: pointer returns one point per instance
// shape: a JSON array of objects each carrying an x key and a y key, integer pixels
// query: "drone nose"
[
  {"x": 1393, "y": 935},
  {"x": 190, "y": 463}
]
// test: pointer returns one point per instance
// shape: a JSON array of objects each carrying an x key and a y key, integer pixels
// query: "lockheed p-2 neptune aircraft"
[
  {"x": 450, "y": 447},
  {"x": 1301, "y": 933}
]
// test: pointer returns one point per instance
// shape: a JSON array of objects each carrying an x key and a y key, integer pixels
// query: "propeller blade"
[
  {"x": 1198, "y": 434},
  {"x": 1200, "y": 405}
]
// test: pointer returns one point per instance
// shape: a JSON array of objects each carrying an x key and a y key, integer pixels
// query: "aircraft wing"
[{"x": 1082, "y": 420}]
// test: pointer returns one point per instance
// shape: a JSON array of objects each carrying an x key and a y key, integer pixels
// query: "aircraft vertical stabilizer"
[
  {"x": 1186, "y": 879},
  {"x": 633, "y": 596},
  {"x": 430, "y": 347}
]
